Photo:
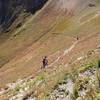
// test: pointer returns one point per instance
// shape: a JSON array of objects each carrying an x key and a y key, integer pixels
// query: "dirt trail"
[
  {"x": 63, "y": 54},
  {"x": 67, "y": 51}
]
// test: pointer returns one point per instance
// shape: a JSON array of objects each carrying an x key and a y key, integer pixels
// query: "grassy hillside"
[{"x": 52, "y": 31}]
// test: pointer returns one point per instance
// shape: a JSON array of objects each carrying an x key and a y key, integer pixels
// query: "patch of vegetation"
[
  {"x": 75, "y": 93},
  {"x": 62, "y": 25},
  {"x": 83, "y": 85},
  {"x": 85, "y": 67},
  {"x": 98, "y": 1},
  {"x": 40, "y": 78},
  {"x": 97, "y": 96},
  {"x": 98, "y": 64}
]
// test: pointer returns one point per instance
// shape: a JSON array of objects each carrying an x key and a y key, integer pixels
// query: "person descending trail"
[{"x": 45, "y": 62}]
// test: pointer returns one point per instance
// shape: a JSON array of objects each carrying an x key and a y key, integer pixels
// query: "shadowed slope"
[{"x": 12, "y": 10}]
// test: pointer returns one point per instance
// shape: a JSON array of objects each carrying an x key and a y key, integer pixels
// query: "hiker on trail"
[
  {"x": 77, "y": 38},
  {"x": 45, "y": 62}
]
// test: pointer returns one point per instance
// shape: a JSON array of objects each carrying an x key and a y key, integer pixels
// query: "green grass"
[
  {"x": 85, "y": 67},
  {"x": 40, "y": 78},
  {"x": 98, "y": 1}
]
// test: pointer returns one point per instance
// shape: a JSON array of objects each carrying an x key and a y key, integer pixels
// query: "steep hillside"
[
  {"x": 11, "y": 10},
  {"x": 51, "y": 32}
]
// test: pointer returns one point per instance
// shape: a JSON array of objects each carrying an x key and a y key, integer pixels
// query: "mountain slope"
[
  {"x": 17, "y": 10},
  {"x": 51, "y": 31}
]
